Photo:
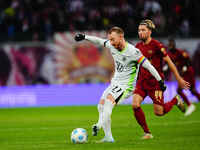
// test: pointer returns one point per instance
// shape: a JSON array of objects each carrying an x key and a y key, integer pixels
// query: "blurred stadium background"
[
  {"x": 39, "y": 56},
  {"x": 41, "y": 65}
]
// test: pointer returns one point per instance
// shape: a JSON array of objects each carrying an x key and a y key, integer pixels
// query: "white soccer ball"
[{"x": 79, "y": 135}]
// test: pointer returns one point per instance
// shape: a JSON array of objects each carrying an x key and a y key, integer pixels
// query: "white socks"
[
  {"x": 100, "y": 110},
  {"x": 106, "y": 120}
]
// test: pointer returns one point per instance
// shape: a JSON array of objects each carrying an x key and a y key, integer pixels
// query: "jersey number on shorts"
[{"x": 116, "y": 89}]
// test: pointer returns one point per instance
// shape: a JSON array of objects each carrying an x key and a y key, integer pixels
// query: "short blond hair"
[
  {"x": 117, "y": 30},
  {"x": 149, "y": 23}
]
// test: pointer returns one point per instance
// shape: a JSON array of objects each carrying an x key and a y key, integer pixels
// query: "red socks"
[
  {"x": 139, "y": 115},
  {"x": 168, "y": 106}
]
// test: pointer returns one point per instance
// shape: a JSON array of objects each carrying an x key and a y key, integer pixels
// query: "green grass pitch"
[{"x": 49, "y": 128}]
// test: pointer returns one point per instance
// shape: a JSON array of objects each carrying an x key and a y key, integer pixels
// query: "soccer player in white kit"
[{"x": 127, "y": 60}]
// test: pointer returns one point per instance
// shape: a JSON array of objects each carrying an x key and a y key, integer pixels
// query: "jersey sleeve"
[
  {"x": 138, "y": 56},
  {"x": 97, "y": 40},
  {"x": 162, "y": 48}
]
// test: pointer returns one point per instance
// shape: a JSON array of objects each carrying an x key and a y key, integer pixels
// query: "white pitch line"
[
  {"x": 61, "y": 128},
  {"x": 31, "y": 129},
  {"x": 177, "y": 123}
]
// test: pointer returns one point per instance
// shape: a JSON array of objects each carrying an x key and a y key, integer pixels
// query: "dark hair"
[
  {"x": 116, "y": 29},
  {"x": 150, "y": 25},
  {"x": 171, "y": 38}
]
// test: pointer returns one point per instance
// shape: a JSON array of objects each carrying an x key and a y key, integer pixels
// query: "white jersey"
[
  {"x": 126, "y": 61},
  {"x": 126, "y": 64}
]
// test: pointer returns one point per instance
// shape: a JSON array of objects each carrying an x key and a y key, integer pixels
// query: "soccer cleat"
[
  {"x": 95, "y": 130},
  {"x": 191, "y": 108},
  {"x": 147, "y": 136},
  {"x": 180, "y": 103},
  {"x": 106, "y": 140}
]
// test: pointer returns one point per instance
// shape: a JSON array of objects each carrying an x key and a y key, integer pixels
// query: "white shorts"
[{"x": 117, "y": 92}]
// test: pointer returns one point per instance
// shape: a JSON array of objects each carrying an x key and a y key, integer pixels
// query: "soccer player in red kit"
[
  {"x": 183, "y": 64},
  {"x": 146, "y": 85}
]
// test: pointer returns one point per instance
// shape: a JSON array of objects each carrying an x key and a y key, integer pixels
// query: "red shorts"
[
  {"x": 143, "y": 89},
  {"x": 189, "y": 76}
]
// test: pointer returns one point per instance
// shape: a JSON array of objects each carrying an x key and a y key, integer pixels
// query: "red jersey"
[
  {"x": 154, "y": 51},
  {"x": 180, "y": 58}
]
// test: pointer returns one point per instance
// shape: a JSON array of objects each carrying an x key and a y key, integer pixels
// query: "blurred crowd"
[
  {"x": 22, "y": 20},
  {"x": 38, "y": 20}
]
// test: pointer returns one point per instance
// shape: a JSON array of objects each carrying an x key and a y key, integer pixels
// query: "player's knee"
[
  {"x": 110, "y": 99},
  {"x": 158, "y": 113},
  {"x": 158, "y": 110},
  {"x": 137, "y": 100},
  {"x": 135, "y": 105},
  {"x": 102, "y": 101}
]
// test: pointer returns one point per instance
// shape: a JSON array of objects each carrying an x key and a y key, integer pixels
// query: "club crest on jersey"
[
  {"x": 150, "y": 51},
  {"x": 124, "y": 59}
]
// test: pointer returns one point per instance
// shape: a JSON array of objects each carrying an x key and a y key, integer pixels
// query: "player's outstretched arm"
[
  {"x": 182, "y": 83},
  {"x": 94, "y": 39},
  {"x": 147, "y": 65}
]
